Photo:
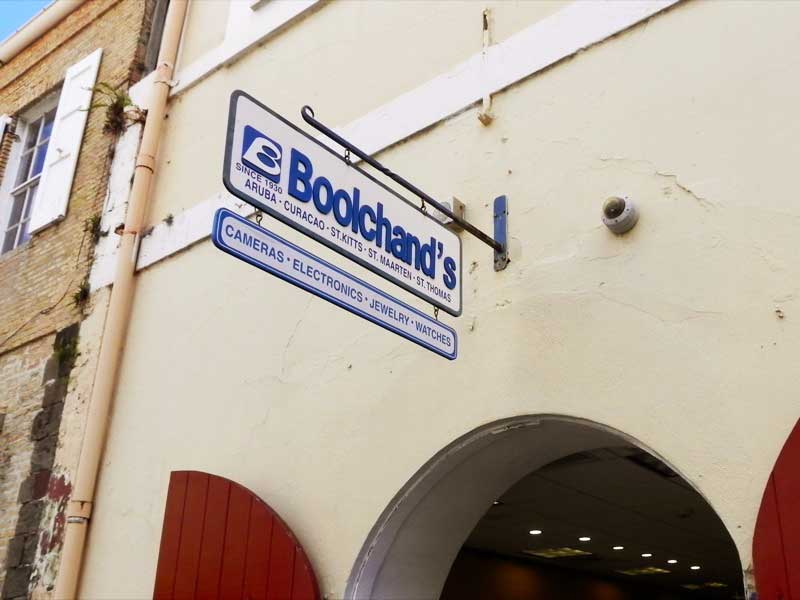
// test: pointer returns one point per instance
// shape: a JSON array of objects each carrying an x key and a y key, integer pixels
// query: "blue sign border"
[
  {"x": 228, "y": 159},
  {"x": 216, "y": 237}
]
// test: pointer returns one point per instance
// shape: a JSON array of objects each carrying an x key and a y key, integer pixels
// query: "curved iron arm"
[{"x": 308, "y": 115}]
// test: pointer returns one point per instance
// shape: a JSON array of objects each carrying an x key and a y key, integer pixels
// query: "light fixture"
[
  {"x": 672, "y": 561},
  {"x": 557, "y": 553},
  {"x": 618, "y": 548},
  {"x": 535, "y": 532},
  {"x": 644, "y": 571},
  {"x": 695, "y": 567},
  {"x": 647, "y": 555},
  {"x": 585, "y": 538}
]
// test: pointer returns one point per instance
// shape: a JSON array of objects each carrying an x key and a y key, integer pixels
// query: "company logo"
[{"x": 262, "y": 154}]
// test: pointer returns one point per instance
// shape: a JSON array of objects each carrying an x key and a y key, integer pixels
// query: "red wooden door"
[
  {"x": 220, "y": 540},
  {"x": 776, "y": 543}
]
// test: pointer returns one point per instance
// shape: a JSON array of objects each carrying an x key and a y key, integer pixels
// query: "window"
[
  {"x": 35, "y": 136},
  {"x": 37, "y": 181}
]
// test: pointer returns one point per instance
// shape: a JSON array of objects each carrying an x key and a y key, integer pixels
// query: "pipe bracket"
[
  {"x": 146, "y": 161},
  {"x": 77, "y": 509}
]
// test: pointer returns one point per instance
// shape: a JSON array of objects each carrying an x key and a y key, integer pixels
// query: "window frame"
[{"x": 11, "y": 185}]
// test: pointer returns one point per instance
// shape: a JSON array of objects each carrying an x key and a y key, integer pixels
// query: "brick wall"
[
  {"x": 21, "y": 376},
  {"x": 36, "y": 378},
  {"x": 37, "y": 283},
  {"x": 43, "y": 275}
]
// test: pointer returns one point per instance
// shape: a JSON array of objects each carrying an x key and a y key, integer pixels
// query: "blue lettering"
[
  {"x": 338, "y": 198},
  {"x": 371, "y": 223},
  {"x": 300, "y": 175},
  {"x": 449, "y": 273},
  {"x": 366, "y": 211},
  {"x": 399, "y": 243},
  {"x": 322, "y": 183}
]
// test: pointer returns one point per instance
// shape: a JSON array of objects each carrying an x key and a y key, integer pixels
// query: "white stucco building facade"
[{"x": 680, "y": 335}]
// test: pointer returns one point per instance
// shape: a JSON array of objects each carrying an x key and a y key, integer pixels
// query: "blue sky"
[{"x": 14, "y": 13}]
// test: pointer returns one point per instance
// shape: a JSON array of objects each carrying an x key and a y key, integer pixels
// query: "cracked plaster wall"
[{"x": 670, "y": 333}]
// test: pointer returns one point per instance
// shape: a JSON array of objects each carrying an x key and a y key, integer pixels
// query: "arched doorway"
[{"x": 422, "y": 532}]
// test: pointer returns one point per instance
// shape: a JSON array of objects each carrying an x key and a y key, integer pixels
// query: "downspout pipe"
[{"x": 79, "y": 509}]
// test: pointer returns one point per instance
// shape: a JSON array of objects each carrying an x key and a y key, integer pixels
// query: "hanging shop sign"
[
  {"x": 263, "y": 249},
  {"x": 284, "y": 172}
]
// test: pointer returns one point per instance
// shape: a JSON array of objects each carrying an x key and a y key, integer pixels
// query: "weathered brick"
[
  {"x": 50, "y": 370},
  {"x": 34, "y": 486},
  {"x": 54, "y": 391},
  {"x": 29, "y": 515},
  {"x": 16, "y": 548},
  {"x": 47, "y": 421},
  {"x": 43, "y": 454},
  {"x": 16, "y": 583},
  {"x": 21, "y": 550}
]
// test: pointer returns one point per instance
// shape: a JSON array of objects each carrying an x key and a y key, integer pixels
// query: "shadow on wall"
[{"x": 479, "y": 575}]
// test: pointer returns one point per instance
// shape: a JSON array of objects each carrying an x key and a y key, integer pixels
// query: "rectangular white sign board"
[
  {"x": 263, "y": 249},
  {"x": 281, "y": 170}
]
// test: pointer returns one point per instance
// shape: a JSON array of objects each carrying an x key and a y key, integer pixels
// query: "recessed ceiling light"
[
  {"x": 496, "y": 503},
  {"x": 644, "y": 571},
  {"x": 557, "y": 553},
  {"x": 618, "y": 548},
  {"x": 646, "y": 555},
  {"x": 695, "y": 567},
  {"x": 535, "y": 532},
  {"x": 585, "y": 538},
  {"x": 672, "y": 561}
]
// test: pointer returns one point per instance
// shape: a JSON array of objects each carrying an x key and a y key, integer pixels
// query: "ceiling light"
[
  {"x": 672, "y": 561},
  {"x": 695, "y": 567},
  {"x": 585, "y": 539},
  {"x": 496, "y": 503},
  {"x": 557, "y": 553},
  {"x": 646, "y": 555},
  {"x": 535, "y": 532},
  {"x": 618, "y": 548},
  {"x": 715, "y": 584},
  {"x": 644, "y": 571}
]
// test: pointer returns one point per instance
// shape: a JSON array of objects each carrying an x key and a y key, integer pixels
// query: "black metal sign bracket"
[{"x": 500, "y": 240}]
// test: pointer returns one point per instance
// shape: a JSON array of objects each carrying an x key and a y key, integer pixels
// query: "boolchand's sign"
[{"x": 277, "y": 168}]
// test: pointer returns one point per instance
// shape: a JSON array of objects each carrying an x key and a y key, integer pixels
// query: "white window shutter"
[{"x": 55, "y": 184}]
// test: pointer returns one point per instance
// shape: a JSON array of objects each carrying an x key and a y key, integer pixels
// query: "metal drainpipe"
[{"x": 79, "y": 509}]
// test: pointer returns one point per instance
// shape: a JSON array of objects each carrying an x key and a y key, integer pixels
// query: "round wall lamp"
[{"x": 619, "y": 214}]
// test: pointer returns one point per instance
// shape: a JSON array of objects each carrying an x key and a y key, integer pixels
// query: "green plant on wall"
[
  {"x": 92, "y": 226},
  {"x": 81, "y": 295},
  {"x": 121, "y": 112}
]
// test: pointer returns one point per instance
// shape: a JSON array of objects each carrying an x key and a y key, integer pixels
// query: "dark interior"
[{"x": 628, "y": 503}]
